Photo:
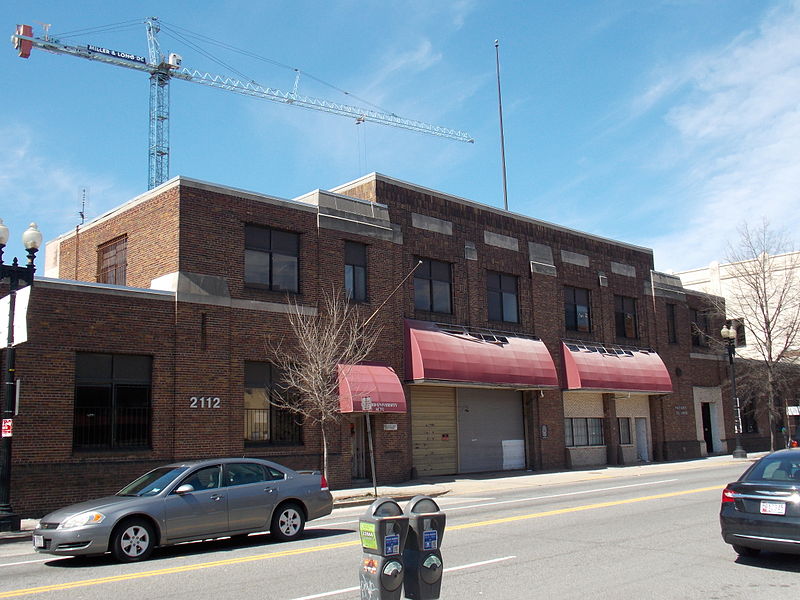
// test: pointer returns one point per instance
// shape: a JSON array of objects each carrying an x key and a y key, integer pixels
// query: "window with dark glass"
[
  {"x": 355, "y": 271},
  {"x": 624, "y": 430},
  {"x": 625, "y": 319},
  {"x": 112, "y": 401},
  {"x": 263, "y": 421},
  {"x": 748, "y": 414},
  {"x": 672, "y": 330},
  {"x": 112, "y": 261},
  {"x": 699, "y": 327},
  {"x": 433, "y": 287},
  {"x": 502, "y": 297},
  {"x": 741, "y": 336},
  {"x": 583, "y": 432},
  {"x": 577, "y": 316},
  {"x": 270, "y": 258}
]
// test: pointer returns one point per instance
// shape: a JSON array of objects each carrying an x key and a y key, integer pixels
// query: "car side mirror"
[{"x": 185, "y": 488}]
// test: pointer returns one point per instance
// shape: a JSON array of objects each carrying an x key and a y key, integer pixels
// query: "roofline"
[
  {"x": 375, "y": 176},
  {"x": 181, "y": 181}
]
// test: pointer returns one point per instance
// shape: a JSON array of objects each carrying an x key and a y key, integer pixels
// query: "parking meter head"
[
  {"x": 383, "y": 529},
  {"x": 426, "y": 523}
]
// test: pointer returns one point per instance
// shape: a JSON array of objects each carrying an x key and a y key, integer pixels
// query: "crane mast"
[{"x": 162, "y": 69}]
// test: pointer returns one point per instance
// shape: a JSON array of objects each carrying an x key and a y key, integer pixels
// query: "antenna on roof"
[{"x": 82, "y": 211}]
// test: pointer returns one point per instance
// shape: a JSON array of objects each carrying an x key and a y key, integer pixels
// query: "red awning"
[
  {"x": 370, "y": 389},
  {"x": 436, "y": 353},
  {"x": 595, "y": 367}
]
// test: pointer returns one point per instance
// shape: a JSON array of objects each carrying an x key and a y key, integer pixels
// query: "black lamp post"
[
  {"x": 17, "y": 277},
  {"x": 728, "y": 334}
]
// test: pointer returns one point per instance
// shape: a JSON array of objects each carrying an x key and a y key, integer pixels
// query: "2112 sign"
[{"x": 205, "y": 402}]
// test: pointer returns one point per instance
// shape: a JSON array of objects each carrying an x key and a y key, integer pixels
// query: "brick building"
[{"x": 518, "y": 343}]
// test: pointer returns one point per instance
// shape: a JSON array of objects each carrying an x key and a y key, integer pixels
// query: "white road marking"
[
  {"x": 28, "y": 562},
  {"x": 518, "y": 500},
  {"x": 458, "y": 568}
]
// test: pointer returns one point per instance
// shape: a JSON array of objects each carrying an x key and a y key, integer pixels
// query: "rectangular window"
[
  {"x": 699, "y": 327},
  {"x": 625, "y": 319},
  {"x": 748, "y": 413},
  {"x": 741, "y": 337},
  {"x": 433, "y": 287},
  {"x": 355, "y": 271},
  {"x": 112, "y": 261},
  {"x": 577, "y": 316},
  {"x": 263, "y": 421},
  {"x": 583, "y": 432},
  {"x": 112, "y": 401},
  {"x": 672, "y": 330},
  {"x": 624, "y": 430},
  {"x": 501, "y": 291},
  {"x": 270, "y": 258}
]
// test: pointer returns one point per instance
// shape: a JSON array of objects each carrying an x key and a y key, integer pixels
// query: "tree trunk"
[{"x": 324, "y": 453}]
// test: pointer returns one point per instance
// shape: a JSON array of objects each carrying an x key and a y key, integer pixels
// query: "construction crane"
[{"x": 164, "y": 68}]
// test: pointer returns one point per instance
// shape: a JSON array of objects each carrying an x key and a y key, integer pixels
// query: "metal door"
[
  {"x": 642, "y": 441},
  {"x": 491, "y": 433},
  {"x": 434, "y": 434},
  {"x": 361, "y": 468},
  {"x": 707, "y": 432}
]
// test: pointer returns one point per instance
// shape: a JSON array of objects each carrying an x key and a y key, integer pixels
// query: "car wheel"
[
  {"x": 132, "y": 540},
  {"x": 288, "y": 522},
  {"x": 745, "y": 551}
]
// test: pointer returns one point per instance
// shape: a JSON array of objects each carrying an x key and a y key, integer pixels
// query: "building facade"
[{"x": 519, "y": 344}]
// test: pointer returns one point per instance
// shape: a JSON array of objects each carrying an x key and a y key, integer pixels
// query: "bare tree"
[
  {"x": 336, "y": 334},
  {"x": 763, "y": 293}
]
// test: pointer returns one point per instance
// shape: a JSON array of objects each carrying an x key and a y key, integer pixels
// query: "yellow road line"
[
  {"x": 257, "y": 557},
  {"x": 563, "y": 511}
]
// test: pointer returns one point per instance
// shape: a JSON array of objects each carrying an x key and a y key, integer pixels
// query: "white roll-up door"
[{"x": 434, "y": 434}]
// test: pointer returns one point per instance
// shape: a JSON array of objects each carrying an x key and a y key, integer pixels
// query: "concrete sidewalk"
[{"x": 482, "y": 483}]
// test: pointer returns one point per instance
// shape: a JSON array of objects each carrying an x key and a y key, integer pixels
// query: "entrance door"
[
  {"x": 707, "y": 435},
  {"x": 361, "y": 468},
  {"x": 642, "y": 443}
]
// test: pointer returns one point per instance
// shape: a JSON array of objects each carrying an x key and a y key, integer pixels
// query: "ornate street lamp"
[
  {"x": 728, "y": 334},
  {"x": 17, "y": 277}
]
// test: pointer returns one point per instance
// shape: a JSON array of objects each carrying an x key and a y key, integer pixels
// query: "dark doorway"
[{"x": 707, "y": 436}]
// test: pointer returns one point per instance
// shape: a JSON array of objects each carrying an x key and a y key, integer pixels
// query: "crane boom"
[{"x": 161, "y": 71}]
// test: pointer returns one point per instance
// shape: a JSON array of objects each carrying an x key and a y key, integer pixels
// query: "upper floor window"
[
  {"x": 577, "y": 315},
  {"x": 355, "y": 271},
  {"x": 270, "y": 258},
  {"x": 112, "y": 401},
  {"x": 625, "y": 319},
  {"x": 741, "y": 336},
  {"x": 501, "y": 291},
  {"x": 672, "y": 329},
  {"x": 263, "y": 421},
  {"x": 112, "y": 261},
  {"x": 699, "y": 327},
  {"x": 433, "y": 287}
]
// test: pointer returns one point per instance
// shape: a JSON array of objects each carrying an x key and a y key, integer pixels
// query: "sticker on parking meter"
[
  {"x": 367, "y": 532},
  {"x": 391, "y": 545},
  {"x": 430, "y": 540}
]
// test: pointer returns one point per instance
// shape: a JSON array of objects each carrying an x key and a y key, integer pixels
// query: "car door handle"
[
  {"x": 269, "y": 490},
  {"x": 217, "y": 497}
]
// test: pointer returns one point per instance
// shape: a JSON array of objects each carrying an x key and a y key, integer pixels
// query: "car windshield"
[
  {"x": 775, "y": 468},
  {"x": 153, "y": 482}
]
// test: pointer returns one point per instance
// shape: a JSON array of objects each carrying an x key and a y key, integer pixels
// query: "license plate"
[
  {"x": 38, "y": 541},
  {"x": 773, "y": 508}
]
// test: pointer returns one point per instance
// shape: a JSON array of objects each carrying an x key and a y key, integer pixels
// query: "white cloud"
[{"x": 738, "y": 125}]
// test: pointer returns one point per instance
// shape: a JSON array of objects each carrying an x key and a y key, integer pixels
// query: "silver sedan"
[{"x": 188, "y": 501}]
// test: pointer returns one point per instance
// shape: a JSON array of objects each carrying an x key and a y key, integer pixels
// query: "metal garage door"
[
  {"x": 491, "y": 432},
  {"x": 434, "y": 435}
]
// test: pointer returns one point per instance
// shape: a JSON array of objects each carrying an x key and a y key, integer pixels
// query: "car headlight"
[{"x": 81, "y": 519}]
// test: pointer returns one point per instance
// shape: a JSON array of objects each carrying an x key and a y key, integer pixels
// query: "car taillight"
[
  {"x": 727, "y": 495},
  {"x": 323, "y": 483}
]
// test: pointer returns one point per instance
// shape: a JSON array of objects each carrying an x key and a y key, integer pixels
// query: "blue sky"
[{"x": 665, "y": 124}]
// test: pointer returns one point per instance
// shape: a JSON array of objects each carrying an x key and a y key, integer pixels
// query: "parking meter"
[
  {"x": 423, "y": 560},
  {"x": 383, "y": 532}
]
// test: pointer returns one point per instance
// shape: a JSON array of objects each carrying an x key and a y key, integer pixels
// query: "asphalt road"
[{"x": 654, "y": 535}]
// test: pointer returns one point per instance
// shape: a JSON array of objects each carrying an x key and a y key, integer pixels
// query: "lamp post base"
[
  {"x": 739, "y": 452},
  {"x": 9, "y": 522}
]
